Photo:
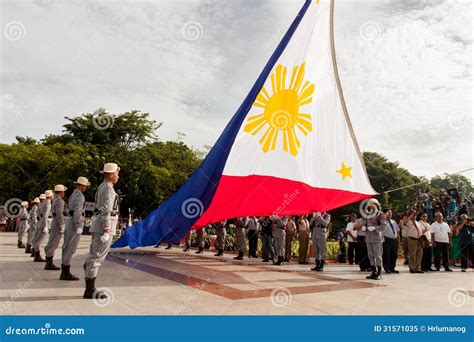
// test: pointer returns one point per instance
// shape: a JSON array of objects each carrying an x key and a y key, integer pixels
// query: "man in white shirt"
[
  {"x": 352, "y": 240},
  {"x": 441, "y": 239}
]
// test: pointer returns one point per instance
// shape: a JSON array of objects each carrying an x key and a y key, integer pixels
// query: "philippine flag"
[{"x": 288, "y": 150}]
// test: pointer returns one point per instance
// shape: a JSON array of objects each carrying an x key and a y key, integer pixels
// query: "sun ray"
[
  {"x": 293, "y": 77},
  {"x": 285, "y": 141},
  {"x": 278, "y": 73},
  {"x": 261, "y": 99},
  {"x": 255, "y": 126},
  {"x": 273, "y": 84},
  {"x": 304, "y": 126},
  {"x": 254, "y": 117},
  {"x": 299, "y": 77},
  {"x": 292, "y": 139},
  {"x": 263, "y": 139},
  {"x": 306, "y": 95},
  {"x": 265, "y": 92}
]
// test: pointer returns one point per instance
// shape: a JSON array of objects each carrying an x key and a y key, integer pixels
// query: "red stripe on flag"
[{"x": 265, "y": 195}]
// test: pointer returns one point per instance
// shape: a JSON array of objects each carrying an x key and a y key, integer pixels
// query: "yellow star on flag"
[{"x": 345, "y": 171}]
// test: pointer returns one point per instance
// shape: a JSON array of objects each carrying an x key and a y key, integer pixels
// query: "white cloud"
[{"x": 77, "y": 56}]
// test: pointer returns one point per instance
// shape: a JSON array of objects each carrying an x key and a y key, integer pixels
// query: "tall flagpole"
[{"x": 339, "y": 89}]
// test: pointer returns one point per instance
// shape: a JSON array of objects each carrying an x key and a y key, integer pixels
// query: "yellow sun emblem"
[{"x": 282, "y": 110}]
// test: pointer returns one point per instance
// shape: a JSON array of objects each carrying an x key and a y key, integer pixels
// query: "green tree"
[
  {"x": 127, "y": 130},
  {"x": 449, "y": 181}
]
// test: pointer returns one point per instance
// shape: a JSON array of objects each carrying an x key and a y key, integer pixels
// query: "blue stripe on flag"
[{"x": 175, "y": 217}]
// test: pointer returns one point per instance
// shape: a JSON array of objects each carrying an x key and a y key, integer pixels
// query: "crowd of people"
[{"x": 373, "y": 239}]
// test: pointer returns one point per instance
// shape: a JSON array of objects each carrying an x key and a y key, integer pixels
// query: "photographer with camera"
[{"x": 466, "y": 239}]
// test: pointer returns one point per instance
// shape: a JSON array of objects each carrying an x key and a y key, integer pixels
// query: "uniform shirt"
[
  {"x": 291, "y": 226},
  {"x": 44, "y": 211},
  {"x": 391, "y": 231},
  {"x": 441, "y": 231},
  {"x": 425, "y": 225},
  {"x": 106, "y": 209},
  {"x": 33, "y": 216},
  {"x": 350, "y": 228},
  {"x": 375, "y": 227},
  {"x": 319, "y": 225},
  {"x": 412, "y": 229},
  {"x": 303, "y": 225},
  {"x": 279, "y": 223},
  {"x": 24, "y": 214},
  {"x": 57, "y": 210},
  {"x": 76, "y": 206}
]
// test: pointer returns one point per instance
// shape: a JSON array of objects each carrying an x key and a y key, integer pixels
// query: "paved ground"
[{"x": 153, "y": 281}]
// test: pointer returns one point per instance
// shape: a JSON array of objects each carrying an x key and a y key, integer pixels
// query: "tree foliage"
[{"x": 153, "y": 170}]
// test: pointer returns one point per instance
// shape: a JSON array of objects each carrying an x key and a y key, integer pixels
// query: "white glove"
[
  {"x": 78, "y": 231},
  {"x": 371, "y": 228},
  {"x": 45, "y": 230},
  {"x": 105, "y": 237},
  {"x": 63, "y": 228}
]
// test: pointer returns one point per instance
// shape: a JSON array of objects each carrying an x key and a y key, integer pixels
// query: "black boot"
[
  {"x": 373, "y": 275},
  {"x": 20, "y": 244},
  {"x": 200, "y": 250},
  {"x": 50, "y": 265},
  {"x": 91, "y": 292},
  {"x": 66, "y": 273},
  {"x": 38, "y": 257},
  {"x": 279, "y": 261},
  {"x": 321, "y": 266},
  {"x": 240, "y": 256},
  {"x": 32, "y": 252},
  {"x": 318, "y": 265},
  {"x": 186, "y": 248},
  {"x": 220, "y": 252},
  {"x": 169, "y": 246},
  {"x": 28, "y": 248},
  {"x": 378, "y": 275}
]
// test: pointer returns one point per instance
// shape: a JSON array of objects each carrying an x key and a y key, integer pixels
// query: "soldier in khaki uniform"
[
  {"x": 58, "y": 225},
  {"x": 375, "y": 224},
  {"x": 290, "y": 232},
  {"x": 103, "y": 228},
  {"x": 240, "y": 224},
  {"x": 221, "y": 234},
  {"x": 43, "y": 225},
  {"x": 41, "y": 198},
  {"x": 319, "y": 224},
  {"x": 200, "y": 240},
  {"x": 278, "y": 231},
  {"x": 33, "y": 221},
  {"x": 188, "y": 240},
  {"x": 23, "y": 225},
  {"x": 74, "y": 227}
]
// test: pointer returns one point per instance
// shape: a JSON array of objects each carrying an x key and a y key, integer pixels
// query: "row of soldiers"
[
  {"x": 277, "y": 233},
  {"x": 275, "y": 241},
  {"x": 50, "y": 214}
]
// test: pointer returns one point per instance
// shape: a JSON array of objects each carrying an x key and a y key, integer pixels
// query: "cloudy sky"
[{"x": 405, "y": 68}]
